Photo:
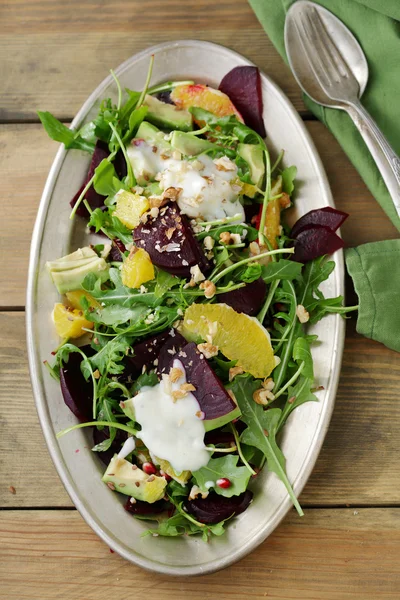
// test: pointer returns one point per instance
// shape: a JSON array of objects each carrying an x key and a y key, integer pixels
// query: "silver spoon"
[{"x": 330, "y": 67}]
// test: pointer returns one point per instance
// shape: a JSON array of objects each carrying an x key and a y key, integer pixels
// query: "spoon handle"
[{"x": 384, "y": 156}]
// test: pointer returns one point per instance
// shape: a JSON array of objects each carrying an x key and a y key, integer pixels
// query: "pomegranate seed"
[
  {"x": 165, "y": 475},
  {"x": 149, "y": 468},
  {"x": 224, "y": 483}
]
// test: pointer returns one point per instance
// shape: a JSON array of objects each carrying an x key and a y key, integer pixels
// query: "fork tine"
[
  {"x": 313, "y": 59},
  {"x": 329, "y": 46},
  {"x": 328, "y": 64}
]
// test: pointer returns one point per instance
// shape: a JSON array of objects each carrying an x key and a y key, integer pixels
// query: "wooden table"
[{"x": 53, "y": 53}]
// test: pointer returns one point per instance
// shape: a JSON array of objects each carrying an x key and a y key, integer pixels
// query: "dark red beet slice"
[
  {"x": 76, "y": 391},
  {"x": 148, "y": 350},
  {"x": 100, "y": 436},
  {"x": 117, "y": 250},
  {"x": 168, "y": 352},
  {"x": 314, "y": 241},
  {"x": 329, "y": 217},
  {"x": 144, "y": 508},
  {"x": 215, "y": 508},
  {"x": 175, "y": 252},
  {"x": 210, "y": 393},
  {"x": 243, "y": 86},
  {"x": 248, "y": 299}
]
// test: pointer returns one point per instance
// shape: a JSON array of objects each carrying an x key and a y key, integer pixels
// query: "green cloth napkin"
[{"x": 375, "y": 267}]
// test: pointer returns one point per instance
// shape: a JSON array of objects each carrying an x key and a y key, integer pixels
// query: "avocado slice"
[
  {"x": 182, "y": 477},
  {"x": 132, "y": 481},
  {"x": 188, "y": 144},
  {"x": 210, "y": 424},
  {"x": 253, "y": 155},
  {"x": 153, "y": 136},
  {"x": 128, "y": 408},
  {"x": 167, "y": 116},
  {"x": 68, "y": 272}
]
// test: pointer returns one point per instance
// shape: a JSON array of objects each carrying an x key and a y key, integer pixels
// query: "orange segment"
[
  {"x": 74, "y": 299},
  {"x": 137, "y": 269},
  {"x": 130, "y": 208},
  {"x": 204, "y": 97},
  {"x": 238, "y": 336},
  {"x": 69, "y": 322}
]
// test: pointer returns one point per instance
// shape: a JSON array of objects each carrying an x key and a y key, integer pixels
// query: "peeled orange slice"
[
  {"x": 202, "y": 96},
  {"x": 137, "y": 269},
  {"x": 238, "y": 336},
  {"x": 74, "y": 299},
  {"x": 69, "y": 323}
]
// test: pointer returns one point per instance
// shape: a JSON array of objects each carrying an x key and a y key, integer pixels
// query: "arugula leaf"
[
  {"x": 324, "y": 306},
  {"x": 122, "y": 295},
  {"x": 251, "y": 273},
  {"x": 297, "y": 395},
  {"x": 288, "y": 176},
  {"x": 115, "y": 314},
  {"x": 262, "y": 427},
  {"x": 150, "y": 379},
  {"x": 218, "y": 468},
  {"x": 109, "y": 358},
  {"x": 105, "y": 180},
  {"x": 61, "y": 133},
  {"x": 111, "y": 225},
  {"x": 164, "y": 282},
  {"x": 302, "y": 353},
  {"x": 315, "y": 272},
  {"x": 282, "y": 269},
  {"x": 249, "y": 232},
  {"x": 106, "y": 414},
  {"x": 135, "y": 119}
]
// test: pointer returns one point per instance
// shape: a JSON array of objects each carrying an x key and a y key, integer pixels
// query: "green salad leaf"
[{"x": 219, "y": 468}]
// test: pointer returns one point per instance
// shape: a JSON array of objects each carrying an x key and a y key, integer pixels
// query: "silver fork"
[{"x": 340, "y": 85}]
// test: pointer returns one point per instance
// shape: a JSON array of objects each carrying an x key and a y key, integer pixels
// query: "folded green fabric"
[{"x": 375, "y": 268}]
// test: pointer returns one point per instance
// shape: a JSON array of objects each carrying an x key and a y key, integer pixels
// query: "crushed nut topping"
[
  {"x": 209, "y": 288},
  {"x": 225, "y": 237},
  {"x": 154, "y": 212},
  {"x": 170, "y": 232},
  {"x": 196, "y": 491},
  {"x": 284, "y": 200},
  {"x": 175, "y": 374},
  {"x": 209, "y": 242},
  {"x": 302, "y": 314},
  {"x": 268, "y": 384},
  {"x": 171, "y": 193},
  {"x": 96, "y": 374},
  {"x": 224, "y": 164},
  {"x": 235, "y": 371},
  {"x": 254, "y": 249},
  {"x": 261, "y": 397},
  {"x": 209, "y": 350},
  {"x": 196, "y": 274}
]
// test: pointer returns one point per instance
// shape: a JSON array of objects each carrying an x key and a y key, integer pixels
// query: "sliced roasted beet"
[
  {"x": 218, "y": 437},
  {"x": 248, "y": 299},
  {"x": 170, "y": 242},
  {"x": 243, "y": 86},
  {"x": 329, "y": 217},
  {"x": 100, "y": 436},
  {"x": 165, "y": 97},
  {"x": 94, "y": 199},
  {"x": 215, "y": 508},
  {"x": 76, "y": 391},
  {"x": 214, "y": 400},
  {"x": 144, "y": 508},
  {"x": 146, "y": 352},
  {"x": 168, "y": 352},
  {"x": 117, "y": 250},
  {"x": 314, "y": 241}
]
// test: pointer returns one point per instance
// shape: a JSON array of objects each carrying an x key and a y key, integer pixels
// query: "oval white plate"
[{"x": 55, "y": 236}]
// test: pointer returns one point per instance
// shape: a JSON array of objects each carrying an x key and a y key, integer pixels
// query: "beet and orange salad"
[{"x": 183, "y": 321}]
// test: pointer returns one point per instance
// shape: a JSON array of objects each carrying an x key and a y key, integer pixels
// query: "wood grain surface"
[
  {"x": 53, "y": 53},
  {"x": 331, "y": 554}
]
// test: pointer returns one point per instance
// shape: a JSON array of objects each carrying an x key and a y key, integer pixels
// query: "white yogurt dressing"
[
  {"x": 127, "y": 448},
  {"x": 208, "y": 192},
  {"x": 171, "y": 430}
]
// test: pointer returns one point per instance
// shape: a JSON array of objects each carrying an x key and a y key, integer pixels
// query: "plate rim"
[{"x": 34, "y": 360}]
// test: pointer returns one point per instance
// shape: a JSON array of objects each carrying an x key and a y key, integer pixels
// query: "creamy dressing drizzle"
[
  {"x": 127, "y": 448},
  {"x": 171, "y": 430},
  {"x": 207, "y": 192}
]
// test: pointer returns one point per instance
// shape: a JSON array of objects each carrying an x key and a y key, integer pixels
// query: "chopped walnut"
[
  {"x": 187, "y": 387},
  {"x": 154, "y": 212},
  {"x": 197, "y": 165},
  {"x": 284, "y": 200},
  {"x": 196, "y": 491},
  {"x": 171, "y": 193},
  {"x": 96, "y": 374},
  {"x": 175, "y": 374},
  {"x": 235, "y": 371},
  {"x": 261, "y": 396},
  {"x": 224, "y": 164},
  {"x": 225, "y": 237},
  {"x": 254, "y": 249},
  {"x": 156, "y": 202},
  {"x": 209, "y": 288},
  {"x": 209, "y": 350},
  {"x": 268, "y": 384},
  {"x": 170, "y": 232},
  {"x": 182, "y": 392},
  {"x": 302, "y": 314}
]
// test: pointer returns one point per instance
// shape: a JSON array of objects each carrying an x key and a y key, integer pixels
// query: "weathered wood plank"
[
  {"x": 330, "y": 555},
  {"x": 359, "y": 463},
  {"x": 27, "y": 154}
]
